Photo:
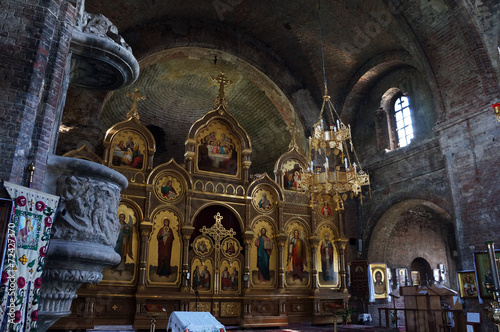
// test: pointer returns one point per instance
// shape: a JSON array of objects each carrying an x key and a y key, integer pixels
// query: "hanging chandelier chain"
[
  {"x": 331, "y": 173},
  {"x": 322, "y": 48}
]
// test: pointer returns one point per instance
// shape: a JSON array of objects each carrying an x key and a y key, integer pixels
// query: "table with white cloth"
[
  {"x": 181, "y": 321},
  {"x": 364, "y": 318}
]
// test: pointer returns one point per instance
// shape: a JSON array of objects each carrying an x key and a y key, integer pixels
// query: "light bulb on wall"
[{"x": 496, "y": 107}]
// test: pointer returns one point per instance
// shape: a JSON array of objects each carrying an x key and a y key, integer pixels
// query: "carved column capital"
[
  {"x": 146, "y": 228},
  {"x": 187, "y": 230},
  {"x": 248, "y": 237},
  {"x": 314, "y": 242},
  {"x": 341, "y": 243}
]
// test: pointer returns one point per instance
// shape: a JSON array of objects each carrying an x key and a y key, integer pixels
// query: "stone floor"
[
  {"x": 294, "y": 327},
  {"x": 307, "y": 327}
]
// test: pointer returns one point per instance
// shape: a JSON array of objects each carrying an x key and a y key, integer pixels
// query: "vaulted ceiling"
[{"x": 272, "y": 52}]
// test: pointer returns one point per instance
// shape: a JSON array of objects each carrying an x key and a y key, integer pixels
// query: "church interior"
[{"x": 268, "y": 162}]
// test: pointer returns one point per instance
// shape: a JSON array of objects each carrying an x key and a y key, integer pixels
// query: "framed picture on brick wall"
[
  {"x": 467, "y": 284},
  {"x": 401, "y": 277},
  {"x": 484, "y": 273}
]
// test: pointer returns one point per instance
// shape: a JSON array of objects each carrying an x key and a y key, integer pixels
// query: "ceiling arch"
[
  {"x": 420, "y": 217},
  {"x": 368, "y": 75},
  {"x": 179, "y": 89}
]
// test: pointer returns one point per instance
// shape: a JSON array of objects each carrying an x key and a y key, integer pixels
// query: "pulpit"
[{"x": 432, "y": 308}]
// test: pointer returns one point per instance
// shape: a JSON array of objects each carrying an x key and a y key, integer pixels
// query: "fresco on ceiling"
[
  {"x": 128, "y": 149},
  {"x": 218, "y": 150}
]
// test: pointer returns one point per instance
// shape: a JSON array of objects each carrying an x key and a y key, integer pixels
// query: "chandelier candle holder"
[
  {"x": 496, "y": 107},
  {"x": 334, "y": 171}
]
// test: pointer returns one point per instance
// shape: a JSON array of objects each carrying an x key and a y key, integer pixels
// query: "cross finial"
[
  {"x": 218, "y": 218},
  {"x": 293, "y": 131},
  {"x": 223, "y": 81},
  {"x": 135, "y": 96}
]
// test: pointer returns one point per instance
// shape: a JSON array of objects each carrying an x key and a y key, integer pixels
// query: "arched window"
[
  {"x": 393, "y": 121},
  {"x": 403, "y": 124}
]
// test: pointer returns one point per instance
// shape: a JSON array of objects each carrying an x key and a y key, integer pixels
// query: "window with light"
[{"x": 402, "y": 115}]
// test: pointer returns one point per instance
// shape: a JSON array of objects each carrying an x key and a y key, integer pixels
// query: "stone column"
[{"x": 84, "y": 231}]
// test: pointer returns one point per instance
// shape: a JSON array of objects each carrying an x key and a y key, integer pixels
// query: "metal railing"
[{"x": 417, "y": 320}]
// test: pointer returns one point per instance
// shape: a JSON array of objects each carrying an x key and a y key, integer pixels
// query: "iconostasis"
[{"x": 202, "y": 236}]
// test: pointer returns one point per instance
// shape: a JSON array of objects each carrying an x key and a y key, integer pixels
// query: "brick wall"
[{"x": 34, "y": 53}]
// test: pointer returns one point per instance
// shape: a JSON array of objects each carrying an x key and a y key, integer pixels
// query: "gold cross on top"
[
  {"x": 135, "y": 96},
  {"x": 293, "y": 132},
  {"x": 223, "y": 81},
  {"x": 218, "y": 231}
]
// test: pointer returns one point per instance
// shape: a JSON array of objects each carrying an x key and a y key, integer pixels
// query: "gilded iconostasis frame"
[{"x": 213, "y": 235}]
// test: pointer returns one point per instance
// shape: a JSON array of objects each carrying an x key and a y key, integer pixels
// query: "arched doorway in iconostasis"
[{"x": 216, "y": 252}]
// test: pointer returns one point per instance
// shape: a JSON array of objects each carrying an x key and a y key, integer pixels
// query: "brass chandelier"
[{"x": 334, "y": 172}]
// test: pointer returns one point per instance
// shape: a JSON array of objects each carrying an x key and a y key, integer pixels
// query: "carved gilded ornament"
[
  {"x": 200, "y": 306},
  {"x": 135, "y": 96},
  {"x": 230, "y": 309}
]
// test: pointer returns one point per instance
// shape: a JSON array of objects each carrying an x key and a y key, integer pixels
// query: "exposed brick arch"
[
  {"x": 411, "y": 229},
  {"x": 364, "y": 79},
  {"x": 384, "y": 120}
]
